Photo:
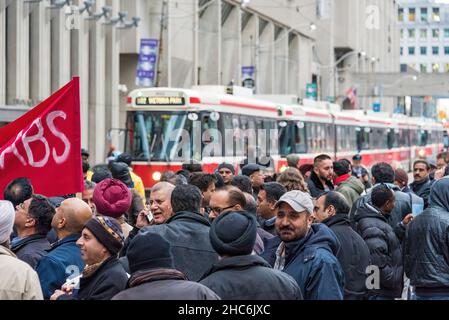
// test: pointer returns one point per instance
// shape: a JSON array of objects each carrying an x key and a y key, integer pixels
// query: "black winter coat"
[
  {"x": 108, "y": 280},
  {"x": 426, "y": 248},
  {"x": 316, "y": 188},
  {"x": 31, "y": 249},
  {"x": 250, "y": 278},
  {"x": 385, "y": 250},
  {"x": 402, "y": 207},
  {"x": 354, "y": 256},
  {"x": 422, "y": 189},
  {"x": 188, "y": 234},
  {"x": 164, "y": 284}
]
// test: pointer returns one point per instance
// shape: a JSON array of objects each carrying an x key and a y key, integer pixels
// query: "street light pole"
[{"x": 331, "y": 52}]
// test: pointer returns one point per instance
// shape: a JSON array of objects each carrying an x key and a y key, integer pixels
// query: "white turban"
[{"x": 7, "y": 215}]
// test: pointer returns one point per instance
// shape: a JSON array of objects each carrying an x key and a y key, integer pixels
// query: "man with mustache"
[
  {"x": 321, "y": 177},
  {"x": 422, "y": 184},
  {"x": 304, "y": 250}
]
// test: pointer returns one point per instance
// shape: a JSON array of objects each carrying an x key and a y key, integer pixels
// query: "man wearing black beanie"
[
  {"x": 153, "y": 274},
  {"x": 239, "y": 275}
]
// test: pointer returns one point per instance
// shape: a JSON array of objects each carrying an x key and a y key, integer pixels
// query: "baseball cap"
[
  {"x": 298, "y": 200},
  {"x": 357, "y": 157}
]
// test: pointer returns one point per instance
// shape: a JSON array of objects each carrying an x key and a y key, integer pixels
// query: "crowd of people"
[{"x": 321, "y": 231}]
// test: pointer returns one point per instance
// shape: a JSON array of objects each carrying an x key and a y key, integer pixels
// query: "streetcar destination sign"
[{"x": 156, "y": 101}]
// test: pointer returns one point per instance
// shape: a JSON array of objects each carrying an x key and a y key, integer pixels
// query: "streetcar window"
[{"x": 157, "y": 136}]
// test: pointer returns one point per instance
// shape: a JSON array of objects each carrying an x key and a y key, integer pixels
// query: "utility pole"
[
  {"x": 332, "y": 69},
  {"x": 161, "y": 36}
]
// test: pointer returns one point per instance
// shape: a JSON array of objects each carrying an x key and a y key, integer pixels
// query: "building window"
[
  {"x": 446, "y": 67},
  {"x": 423, "y": 68},
  {"x": 411, "y": 14},
  {"x": 435, "y": 51},
  {"x": 403, "y": 67},
  {"x": 401, "y": 14},
  {"x": 411, "y": 51},
  {"x": 435, "y": 67},
  {"x": 401, "y": 33},
  {"x": 446, "y": 50},
  {"x": 411, "y": 33},
  {"x": 424, "y": 14},
  {"x": 402, "y": 51},
  {"x": 423, "y": 33},
  {"x": 446, "y": 32},
  {"x": 436, "y": 14},
  {"x": 423, "y": 51},
  {"x": 435, "y": 33}
]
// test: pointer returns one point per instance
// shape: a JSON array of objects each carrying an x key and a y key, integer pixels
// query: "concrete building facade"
[
  {"x": 288, "y": 43},
  {"x": 424, "y": 36}
]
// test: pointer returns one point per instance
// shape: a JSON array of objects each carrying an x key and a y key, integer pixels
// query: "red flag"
[
  {"x": 44, "y": 145},
  {"x": 351, "y": 94}
]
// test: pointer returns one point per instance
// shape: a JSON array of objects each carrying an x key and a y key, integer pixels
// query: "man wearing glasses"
[{"x": 32, "y": 222}]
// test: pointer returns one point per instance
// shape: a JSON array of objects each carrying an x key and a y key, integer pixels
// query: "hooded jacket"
[
  {"x": 250, "y": 277},
  {"x": 316, "y": 188},
  {"x": 402, "y": 207},
  {"x": 385, "y": 250},
  {"x": 422, "y": 189},
  {"x": 354, "y": 256},
  {"x": 188, "y": 234},
  {"x": 312, "y": 263},
  {"x": 351, "y": 189},
  {"x": 426, "y": 249}
]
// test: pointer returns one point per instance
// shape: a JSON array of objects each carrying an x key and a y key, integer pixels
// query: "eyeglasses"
[
  {"x": 20, "y": 206},
  {"x": 220, "y": 210}
]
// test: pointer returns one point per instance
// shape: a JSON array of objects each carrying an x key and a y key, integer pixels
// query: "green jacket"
[{"x": 351, "y": 188}]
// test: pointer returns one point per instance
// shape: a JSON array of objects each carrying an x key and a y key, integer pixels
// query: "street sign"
[
  {"x": 311, "y": 91},
  {"x": 248, "y": 77},
  {"x": 376, "y": 106},
  {"x": 146, "y": 67}
]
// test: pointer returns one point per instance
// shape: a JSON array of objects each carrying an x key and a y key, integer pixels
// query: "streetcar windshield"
[{"x": 156, "y": 136}]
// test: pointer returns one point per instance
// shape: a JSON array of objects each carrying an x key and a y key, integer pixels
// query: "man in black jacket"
[
  {"x": 332, "y": 209},
  {"x": 103, "y": 277},
  {"x": 385, "y": 249},
  {"x": 383, "y": 173},
  {"x": 320, "y": 180},
  {"x": 239, "y": 275},
  {"x": 32, "y": 222},
  {"x": 187, "y": 231},
  {"x": 422, "y": 184},
  {"x": 153, "y": 275},
  {"x": 426, "y": 249}
]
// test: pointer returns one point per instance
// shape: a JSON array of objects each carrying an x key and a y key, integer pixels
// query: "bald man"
[{"x": 64, "y": 258}]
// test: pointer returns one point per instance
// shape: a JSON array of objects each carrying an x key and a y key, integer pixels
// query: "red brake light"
[{"x": 194, "y": 100}]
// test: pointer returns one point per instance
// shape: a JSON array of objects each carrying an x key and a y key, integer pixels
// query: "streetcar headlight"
[
  {"x": 283, "y": 168},
  {"x": 157, "y": 176}
]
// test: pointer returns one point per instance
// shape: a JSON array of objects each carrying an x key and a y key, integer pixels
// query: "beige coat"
[{"x": 18, "y": 281}]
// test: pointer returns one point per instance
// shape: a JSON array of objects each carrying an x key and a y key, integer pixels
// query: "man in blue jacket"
[
  {"x": 64, "y": 258},
  {"x": 304, "y": 250}
]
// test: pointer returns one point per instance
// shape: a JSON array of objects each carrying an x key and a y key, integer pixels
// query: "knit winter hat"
[
  {"x": 227, "y": 166},
  {"x": 149, "y": 251},
  {"x": 112, "y": 198},
  {"x": 233, "y": 233},
  {"x": 108, "y": 232},
  {"x": 7, "y": 215}
]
